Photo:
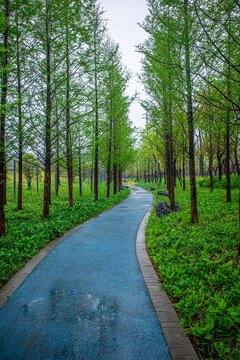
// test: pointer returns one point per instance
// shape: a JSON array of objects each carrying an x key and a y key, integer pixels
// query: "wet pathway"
[{"x": 87, "y": 299}]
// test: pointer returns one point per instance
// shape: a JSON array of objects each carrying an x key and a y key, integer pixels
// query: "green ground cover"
[
  {"x": 198, "y": 268},
  {"x": 220, "y": 184},
  {"x": 27, "y": 232}
]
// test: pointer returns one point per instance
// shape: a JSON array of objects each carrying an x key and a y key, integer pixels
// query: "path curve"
[{"x": 87, "y": 298}]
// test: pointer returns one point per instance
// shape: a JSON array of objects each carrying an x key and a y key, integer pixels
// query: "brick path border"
[{"x": 179, "y": 344}]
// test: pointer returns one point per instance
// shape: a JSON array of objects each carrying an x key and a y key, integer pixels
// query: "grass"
[
  {"x": 199, "y": 270},
  {"x": 27, "y": 232},
  {"x": 219, "y": 184}
]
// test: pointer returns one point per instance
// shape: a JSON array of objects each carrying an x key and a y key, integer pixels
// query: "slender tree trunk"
[
  {"x": 148, "y": 175},
  {"x": 152, "y": 176},
  {"x": 119, "y": 179},
  {"x": 68, "y": 126},
  {"x": 211, "y": 159},
  {"x": 183, "y": 166},
  {"x": 219, "y": 156},
  {"x": 80, "y": 170},
  {"x": 115, "y": 158},
  {"x": 201, "y": 156},
  {"x": 171, "y": 169},
  {"x": 190, "y": 120},
  {"x": 114, "y": 178},
  {"x": 96, "y": 134},
  {"x": 3, "y": 118},
  {"x": 47, "y": 176},
  {"x": 57, "y": 177},
  {"x": 109, "y": 156},
  {"x": 228, "y": 178},
  {"x": 20, "y": 124},
  {"x": 91, "y": 176}
]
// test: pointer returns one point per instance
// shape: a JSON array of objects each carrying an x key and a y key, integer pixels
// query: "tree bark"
[
  {"x": 4, "y": 88},
  {"x": 119, "y": 179},
  {"x": 47, "y": 175},
  {"x": 96, "y": 133},
  {"x": 109, "y": 154},
  {"x": 211, "y": 158},
  {"x": 193, "y": 189},
  {"x": 228, "y": 178},
  {"x": 20, "y": 124},
  {"x": 183, "y": 165},
  {"x": 68, "y": 126},
  {"x": 80, "y": 170},
  {"x": 219, "y": 159},
  {"x": 91, "y": 176}
]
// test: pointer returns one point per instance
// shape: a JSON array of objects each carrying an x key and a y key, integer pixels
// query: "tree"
[{"x": 4, "y": 89}]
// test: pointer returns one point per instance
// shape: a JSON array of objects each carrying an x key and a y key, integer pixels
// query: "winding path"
[{"x": 87, "y": 298}]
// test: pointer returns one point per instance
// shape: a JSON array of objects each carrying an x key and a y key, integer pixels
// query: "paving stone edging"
[{"x": 179, "y": 344}]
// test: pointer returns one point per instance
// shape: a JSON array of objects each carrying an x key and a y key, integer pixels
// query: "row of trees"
[
  {"x": 192, "y": 77},
  {"x": 62, "y": 94}
]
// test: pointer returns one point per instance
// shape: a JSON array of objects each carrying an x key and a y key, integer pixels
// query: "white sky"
[{"x": 124, "y": 16}]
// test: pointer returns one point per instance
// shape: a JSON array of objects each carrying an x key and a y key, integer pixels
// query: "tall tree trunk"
[
  {"x": 68, "y": 126},
  {"x": 47, "y": 175},
  {"x": 91, "y": 177},
  {"x": 152, "y": 176},
  {"x": 193, "y": 190},
  {"x": 57, "y": 169},
  {"x": 114, "y": 178},
  {"x": 171, "y": 169},
  {"x": 96, "y": 133},
  {"x": 115, "y": 158},
  {"x": 20, "y": 124},
  {"x": 119, "y": 179},
  {"x": 219, "y": 157},
  {"x": 109, "y": 155},
  {"x": 228, "y": 178},
  {"x": 148, "y": 175},
  {"x": 3, "y": 118},
  {"x": 183, "y": 165},
  {"x": 210, "y": 158},
  {"x": 80, "y": 170},
  {"x": 201, "y": 156}
]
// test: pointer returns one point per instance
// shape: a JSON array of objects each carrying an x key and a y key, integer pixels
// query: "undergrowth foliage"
[
  {"x": 220, "y": 184},
  {"x": 27, "y": 232},
  {"x": 198, "y": 269}
]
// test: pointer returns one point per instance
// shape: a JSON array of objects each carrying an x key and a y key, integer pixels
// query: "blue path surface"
[{"x": 87, "y": 298}]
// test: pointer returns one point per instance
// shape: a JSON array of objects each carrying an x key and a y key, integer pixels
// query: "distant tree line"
[
  {"x": 62, "y": 95},
  {"x": 191, "y": 75}
]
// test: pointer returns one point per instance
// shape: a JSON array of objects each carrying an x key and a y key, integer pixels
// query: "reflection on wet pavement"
[{"x": 87, "y": 299}]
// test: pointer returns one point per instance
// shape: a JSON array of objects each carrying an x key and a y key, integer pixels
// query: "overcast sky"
[{"x": 124, "y": 16}]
